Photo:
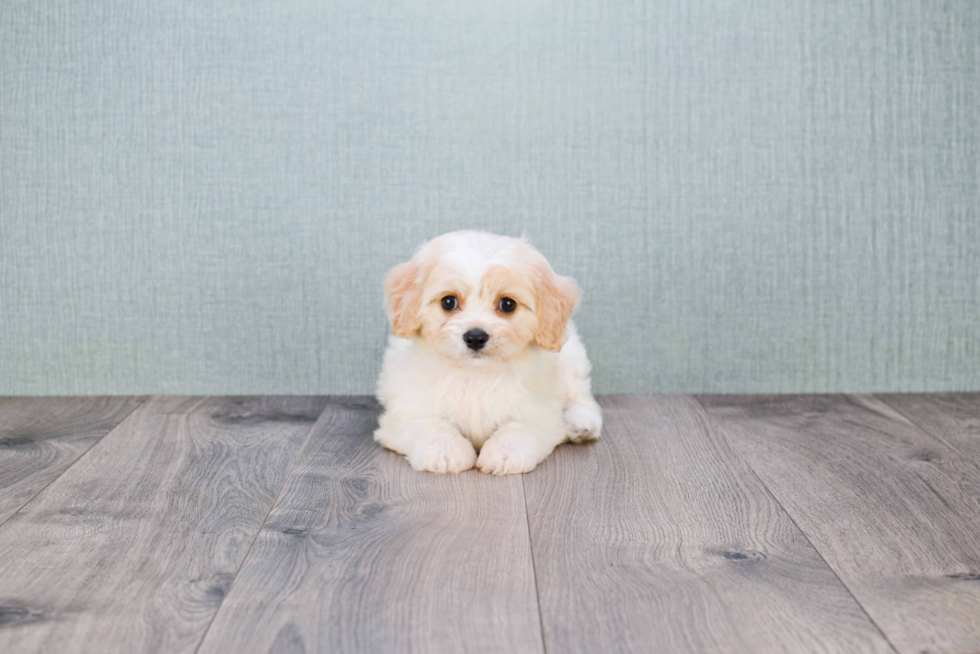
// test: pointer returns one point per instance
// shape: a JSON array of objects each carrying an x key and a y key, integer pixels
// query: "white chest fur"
[{"x": 476, "y": 399}]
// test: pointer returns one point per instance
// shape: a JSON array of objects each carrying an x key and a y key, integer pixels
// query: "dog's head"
[{"x": 477, "y": 297}]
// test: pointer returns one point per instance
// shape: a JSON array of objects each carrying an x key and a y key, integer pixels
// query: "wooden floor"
[{"x": 275, "y": 524}]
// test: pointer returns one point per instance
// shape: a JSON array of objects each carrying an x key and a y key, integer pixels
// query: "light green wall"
[{"x": 202, "y": 196}]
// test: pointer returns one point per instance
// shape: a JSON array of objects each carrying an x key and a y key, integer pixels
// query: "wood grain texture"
[
  {"x": 953, "y": 418},
  {"x": 895, "y": 512},
  {"x": 659, "y": 538},
  {"x": 363, "y": 554},
  {"x": 133, "y": 548},
  {"x": 41, "y": 436}
]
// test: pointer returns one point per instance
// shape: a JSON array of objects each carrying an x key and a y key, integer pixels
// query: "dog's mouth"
[{"x": 478, "y": 355}]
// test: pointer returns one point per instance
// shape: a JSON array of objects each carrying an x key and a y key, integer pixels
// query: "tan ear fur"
[
  {"x": 403, "y": 298},
  {"x": 557, "y": 299}
]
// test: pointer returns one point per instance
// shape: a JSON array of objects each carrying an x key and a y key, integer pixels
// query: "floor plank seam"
[
  {"x": 71, "y": 465},
  {"x": 928, "y": 432},
  {"x": 713, "y": 423},
  {"x": 534, "y": 570},
  {"x": 258, "y": 532}
]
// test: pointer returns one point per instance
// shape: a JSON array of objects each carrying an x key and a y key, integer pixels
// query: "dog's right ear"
[{"x": 403, "y": 298}]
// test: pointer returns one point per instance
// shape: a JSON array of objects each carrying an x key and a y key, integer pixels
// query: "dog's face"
[{"x": 478, "y": 298}]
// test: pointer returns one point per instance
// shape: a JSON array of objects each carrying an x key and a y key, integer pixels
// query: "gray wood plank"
[
  {"x": 41, "y": 436},
  {"x": 363, "y": 554},
  {"x": 953, "y": 418},
  {"x": 134, "y": 546},
  {"x": 659, "y": 538},
  {"x": 894, "y": 512}
]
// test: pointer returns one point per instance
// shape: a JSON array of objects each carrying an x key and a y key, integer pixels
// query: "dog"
[{"x": 484, "y": 358}]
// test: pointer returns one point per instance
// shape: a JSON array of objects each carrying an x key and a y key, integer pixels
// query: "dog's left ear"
[
  {"x": 403, "y": 298},
  {"x": 557, "y": 299}
]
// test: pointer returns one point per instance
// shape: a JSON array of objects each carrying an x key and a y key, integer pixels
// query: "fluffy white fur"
[{"x": 505, "y": 407}]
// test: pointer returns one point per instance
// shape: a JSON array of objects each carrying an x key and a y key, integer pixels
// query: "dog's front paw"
[
  {"x": 582, "y": 423},
  {"x": 510, "y": 456},
  {"x": 443, "y": 455}
]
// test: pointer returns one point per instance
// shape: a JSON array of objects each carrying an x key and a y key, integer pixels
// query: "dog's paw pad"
[
  {"x": 443, "y": 456},
  {"x": 582, "y": 423},
  {"x": 506, "y": 458}
]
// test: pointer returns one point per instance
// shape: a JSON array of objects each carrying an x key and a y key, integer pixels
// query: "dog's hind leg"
[{"x": 582, "y": 414}]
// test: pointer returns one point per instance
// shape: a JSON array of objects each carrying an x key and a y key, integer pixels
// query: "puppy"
[{"x": 484, "y": 358}]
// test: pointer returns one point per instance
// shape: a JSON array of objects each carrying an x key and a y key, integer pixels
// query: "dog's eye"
[
  {"x": 449, "y": 303},
  {"x": 506, "y": 305}
]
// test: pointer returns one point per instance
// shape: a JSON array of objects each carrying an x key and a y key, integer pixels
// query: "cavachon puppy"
[{"x": 484, "y": 358}]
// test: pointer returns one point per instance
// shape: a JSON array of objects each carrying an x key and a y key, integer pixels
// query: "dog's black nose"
[{"x": 475, "y": 339}]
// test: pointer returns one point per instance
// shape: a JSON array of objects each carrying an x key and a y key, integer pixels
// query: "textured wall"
[{"x": 202, "y": 196}]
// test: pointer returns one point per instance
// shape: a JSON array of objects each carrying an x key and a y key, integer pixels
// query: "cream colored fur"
[{"x": 505, "y": 407}]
